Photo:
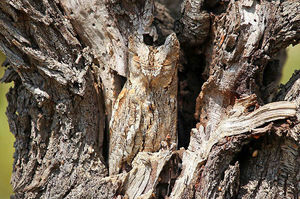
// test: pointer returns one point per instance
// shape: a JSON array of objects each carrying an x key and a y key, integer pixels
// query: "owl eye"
[
  {"x": 167, "y": 67},
  {"x": 167, "y": 62},
  {"x": 136, "y": 59}
]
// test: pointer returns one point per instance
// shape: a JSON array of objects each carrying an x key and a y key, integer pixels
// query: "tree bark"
[{"x": 142, "y": 99}]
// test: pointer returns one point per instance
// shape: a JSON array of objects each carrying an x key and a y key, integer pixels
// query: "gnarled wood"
[{"x": 69, "y": 60}]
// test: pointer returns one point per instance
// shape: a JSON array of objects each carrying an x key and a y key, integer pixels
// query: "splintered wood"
[{"x": 241, "y": 121}]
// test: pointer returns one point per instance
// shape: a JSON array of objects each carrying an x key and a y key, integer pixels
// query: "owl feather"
[{"x": 145, "y": 112}]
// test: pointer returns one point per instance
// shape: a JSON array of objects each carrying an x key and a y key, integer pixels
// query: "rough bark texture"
[{"x": 226, "y": 133}]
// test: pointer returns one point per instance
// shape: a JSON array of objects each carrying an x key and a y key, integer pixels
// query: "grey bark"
[{"x": 69, "y": 59}]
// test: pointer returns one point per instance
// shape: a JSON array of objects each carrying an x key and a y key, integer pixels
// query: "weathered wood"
[
  {"x": 79, "y": 136},
  {"x": 238, "y": 122},
  {"x": 51, "y": 108}
]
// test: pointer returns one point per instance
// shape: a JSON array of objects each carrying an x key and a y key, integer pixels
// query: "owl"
[{"x": 145, "y": 112}]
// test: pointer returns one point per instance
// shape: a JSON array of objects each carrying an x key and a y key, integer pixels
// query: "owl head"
[{"x": 153, "y": 65}]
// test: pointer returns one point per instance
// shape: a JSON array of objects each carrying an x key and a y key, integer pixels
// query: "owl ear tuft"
[
  {"x": 135, "y": 42},
  {"x": 171, "y": 47},
  {"x": 172, "y": 40}
]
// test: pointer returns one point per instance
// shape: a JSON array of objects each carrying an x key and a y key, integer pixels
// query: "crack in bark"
[{"x": 53, "y": 47}]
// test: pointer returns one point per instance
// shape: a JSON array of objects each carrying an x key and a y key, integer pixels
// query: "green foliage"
[
  {"x": 292, "y": 63},
  {"x": 6, "y": 141}
]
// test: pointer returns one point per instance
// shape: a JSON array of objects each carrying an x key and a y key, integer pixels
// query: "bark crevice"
[{"x": 89, "y": 73}]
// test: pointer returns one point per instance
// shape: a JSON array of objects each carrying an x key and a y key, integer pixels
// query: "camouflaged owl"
[{"x": 145, "y": 112}]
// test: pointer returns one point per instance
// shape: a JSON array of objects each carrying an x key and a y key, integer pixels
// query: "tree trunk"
[{"x": 142, "y": 99}]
